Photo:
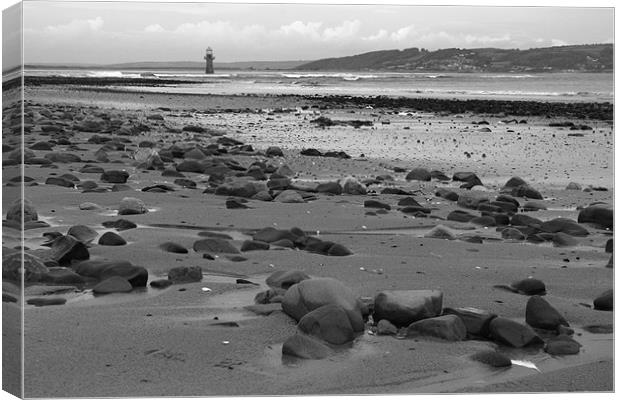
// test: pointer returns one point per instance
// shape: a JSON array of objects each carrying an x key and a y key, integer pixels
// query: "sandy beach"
[{"x": 200, "y": 338}]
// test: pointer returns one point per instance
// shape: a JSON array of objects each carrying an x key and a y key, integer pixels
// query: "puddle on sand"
[
  {"x": 236, "y": 234},
  {"x": 227, "y": 300},
  {"x": 228, "y": 306},
  {"x": 595, "y": 347},
  {"x": 275, "y": 364}
]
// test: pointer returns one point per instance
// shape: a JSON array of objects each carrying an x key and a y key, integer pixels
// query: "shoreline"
[{"x": 603, "y": 111}]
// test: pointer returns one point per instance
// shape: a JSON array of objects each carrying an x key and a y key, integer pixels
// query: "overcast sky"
[{"x": 110, "y": 32}]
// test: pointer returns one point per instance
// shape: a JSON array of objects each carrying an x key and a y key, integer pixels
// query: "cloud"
[
  {"x": 348, "y": 30},
  {"x": 308, "y": 29},
  {"x": 402, "y": 33},
  {"x": 154, "y": 28},
  {"x": 77, "y": 26},
  {"x": 382, "y": 34}
]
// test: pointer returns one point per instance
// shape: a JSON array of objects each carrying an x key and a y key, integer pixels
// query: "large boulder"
[
  {"x": 512, "y": 333},
  {"x": 65, "y": 249},
  {"x": 447, "y": 327},
  {"x": 83, "y": 233},
  {"x": 403, "y": 307},
  {"x": 33, "y": 268},
  {"x": 329, "y": 323},
  {"x": 131, "y": 206},
  {"x": 599, "y": 215},
  {"x": 540, "y": 314},
  {"x": 311, "y": 294},
  {"x": 15, "y": 211},
  {"x": 307, "y": 347}
]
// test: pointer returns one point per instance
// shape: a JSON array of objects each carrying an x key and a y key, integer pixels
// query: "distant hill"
[
  {"x": 145, "y": 65},
  {"x": 587, "y": 58}
]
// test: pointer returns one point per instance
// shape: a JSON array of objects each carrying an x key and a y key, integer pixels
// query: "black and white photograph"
[{"x": 234, "y": 199}]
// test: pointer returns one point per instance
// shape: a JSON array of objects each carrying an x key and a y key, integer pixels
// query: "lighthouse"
[{"x": 209, "y": 58}]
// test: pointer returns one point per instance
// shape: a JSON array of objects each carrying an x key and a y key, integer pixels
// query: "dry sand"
[{"x": 163, "y": 342}]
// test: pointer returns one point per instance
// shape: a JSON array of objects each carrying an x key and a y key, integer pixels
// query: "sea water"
[{"x": 567, "y": 86}]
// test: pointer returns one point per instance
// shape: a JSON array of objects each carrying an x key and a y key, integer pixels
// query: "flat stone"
[
  {"x": 46, "y": 301},
  {"x": 185, "y": 274},
  {"x": 214, "y": 245},
  {"x": 562, "y": 345},
  {"x": 447, "y": 327},
  {"x": 161, "y": 283},
  {"x": 172, "y": 247},
  {"x": 113, "y": 284}
]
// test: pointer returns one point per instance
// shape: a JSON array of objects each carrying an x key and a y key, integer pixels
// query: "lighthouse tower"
[{"x": 209, "y": 57}]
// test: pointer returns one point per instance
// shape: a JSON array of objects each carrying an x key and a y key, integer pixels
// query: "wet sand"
[{"x": 164, "y": 342}]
